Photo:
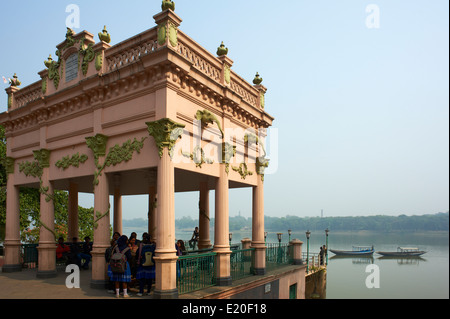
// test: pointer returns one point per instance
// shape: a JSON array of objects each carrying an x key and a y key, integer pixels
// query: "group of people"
[
  {"x": 138, "y": 261},
  {"x": 135, "y": 255},
  {"x": 72, "y": 254}
]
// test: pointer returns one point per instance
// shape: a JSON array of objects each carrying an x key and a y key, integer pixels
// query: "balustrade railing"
[
  {"x": 313, "y": 261},
  {"x": 28, "y": 94},
  {"x": 195, "y": 272},
  {"x": 131, "y": 50},
  {"x": 241, "y": 263},
  {"x": 278, "y": 255}
]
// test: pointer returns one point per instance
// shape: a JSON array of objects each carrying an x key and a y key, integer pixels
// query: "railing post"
[{"x": 297, "y": 251}]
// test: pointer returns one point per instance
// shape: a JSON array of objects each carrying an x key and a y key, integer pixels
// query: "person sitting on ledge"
[
  {"x": 62, "y": 250},
  {"x": 194, "y": 239}
]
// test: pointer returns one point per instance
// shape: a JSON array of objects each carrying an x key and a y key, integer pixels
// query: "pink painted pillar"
[
  {"x": 152, "y": 206},
  {"x": 258, "y": 228},
  {"x": 204, "y": 240},
  {"x": 12, "y": 262},
  {"x": 101, "y": 231},
  {"x": 165, "y": 132},
  {"x": 99, "y": 279},
  {"x": 118, "y": 226},
  {"x": 72, "y": 222},
  {"x": 222, "y": 228},
  {"x": 47, "y": 240},
  {"x": 166, "y": 257}
]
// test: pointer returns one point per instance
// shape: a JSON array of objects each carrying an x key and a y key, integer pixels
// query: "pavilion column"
[
  {"x": 72, "y": 221},
  {"x": 222, "y": 229},
  {"x": 118, "y": 226},
  {"x": 47, "y": 240},
  {"x": 152, "y": 203},
  {"x": 101, "y": 214},
  {"x": 258, "y": 228},
  {"x": 12, "y": 236},
  {"x": 204, "y": 240},
  {"x": 165, "y": 133}
]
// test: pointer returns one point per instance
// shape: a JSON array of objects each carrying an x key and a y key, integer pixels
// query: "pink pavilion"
[{"x": 155, "y": 114}]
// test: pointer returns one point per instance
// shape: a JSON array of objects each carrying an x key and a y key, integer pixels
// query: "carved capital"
[
  {"x": 42, "y": 157},
  {"x": 97, "y": 144},
  {"x": 261, "y": 165},
  {"x": 166, "y": 133}
]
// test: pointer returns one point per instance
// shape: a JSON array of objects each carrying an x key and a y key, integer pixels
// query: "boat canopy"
[
  {"x": 408, "y": 248},
  {"x": 362, "y": 248}
]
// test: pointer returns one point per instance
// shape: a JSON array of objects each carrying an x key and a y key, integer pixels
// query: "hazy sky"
[{"x": 362, "y": 110}]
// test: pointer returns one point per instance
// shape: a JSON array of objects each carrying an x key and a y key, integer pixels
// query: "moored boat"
[
  {"x": 357, "y": 251},
  {"x": 403, "y": 252}
]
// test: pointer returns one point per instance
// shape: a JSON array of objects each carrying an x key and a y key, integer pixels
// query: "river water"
[
  {"x": 426, "y": 277},
  {"x": 417, "y": 278}
]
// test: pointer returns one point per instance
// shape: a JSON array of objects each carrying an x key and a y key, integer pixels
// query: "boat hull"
[
  {"x": 352, "y": 253},
  {"x": 401, "y": 254}
]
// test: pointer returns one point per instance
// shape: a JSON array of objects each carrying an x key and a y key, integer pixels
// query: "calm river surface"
[{"x": 419, "y": 278}]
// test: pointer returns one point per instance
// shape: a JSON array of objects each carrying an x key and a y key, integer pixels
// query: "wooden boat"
[
  {"x": 403, "y": 252},
  {"x": 357, "y": 251}
]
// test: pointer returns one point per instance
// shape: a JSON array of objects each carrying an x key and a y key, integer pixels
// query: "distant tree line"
[{"x": 433, "y": 222}]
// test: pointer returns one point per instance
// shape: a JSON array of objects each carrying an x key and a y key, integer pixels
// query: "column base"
[
  {"x": 99, "y": 284},
  {"x": 224, "y": 281},
  {"x": 165, "y": 294},
  {"x": 44, "y": 274},
  {"x": 298, "y": 262},
  {"x": 259, "y": 271},
  {"x": 11, "y": 268},
  {"x": 204, "y": 244}
]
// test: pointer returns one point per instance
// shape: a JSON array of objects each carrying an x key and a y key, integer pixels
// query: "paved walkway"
[{"x": 25, "y": 285}]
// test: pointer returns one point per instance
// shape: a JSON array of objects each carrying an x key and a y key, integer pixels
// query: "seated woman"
[{"x": 62, "y": 250}]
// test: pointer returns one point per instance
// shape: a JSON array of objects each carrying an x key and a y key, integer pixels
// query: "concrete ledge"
[
  {"x": 242, "y": 285},
  {"x": 99, "y": 284},
  {"x": 47, "y": 274}
]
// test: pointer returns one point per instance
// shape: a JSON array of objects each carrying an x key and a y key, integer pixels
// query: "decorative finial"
[
  {"x": 49, "y": 62},
  {"x": 257, "y": 80},
  {"x": 14, "y": 81},
  {"x": 104, "y": 35},
  {"x": 168, "y": 4},
  {"x": 222, "y": 50},
  {"x": 70, "y": 32}
]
